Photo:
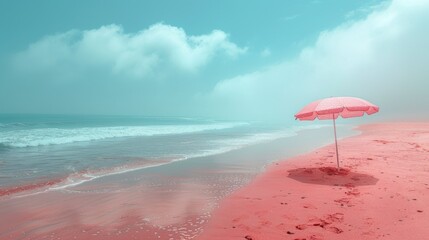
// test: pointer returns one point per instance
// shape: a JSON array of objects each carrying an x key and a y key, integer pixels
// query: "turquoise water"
[{"x": 77, "y": 149}]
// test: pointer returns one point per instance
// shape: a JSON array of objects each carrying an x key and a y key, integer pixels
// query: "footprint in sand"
[
  {"x": 383, "y": 141},
  {"x": 334, "y": 230},
  {"x": 415, "y": 145},
  {"x": 325, "y": 223},
  {"x": 336, "y": 217},
  {"x": 301, "y": 226},
  {"x": 309, "y": 206},
  {"x": 344, "y": 201},
  {"x": 353, "y": 192},
  {"x": 314, "y": 237}
]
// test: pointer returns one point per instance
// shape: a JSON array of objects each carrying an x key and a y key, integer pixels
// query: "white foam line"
[
  {"x": 73, "y": 184},
  {"x": 92, "y": 177},
  {"x": 28, "y": 194}
]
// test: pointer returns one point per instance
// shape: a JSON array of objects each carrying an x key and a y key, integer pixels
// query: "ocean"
[{"x": 48, "y": 152}]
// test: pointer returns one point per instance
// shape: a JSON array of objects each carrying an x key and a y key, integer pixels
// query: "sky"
[{"x": 235, "y": 60}]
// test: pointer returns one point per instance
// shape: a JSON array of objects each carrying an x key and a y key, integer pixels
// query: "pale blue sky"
[
  {"x": 282, "y": 25},
  {"x": 222, "y": 59}
]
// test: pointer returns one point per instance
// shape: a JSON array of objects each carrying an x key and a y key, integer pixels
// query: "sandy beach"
[{"x": 381, "y": 192}]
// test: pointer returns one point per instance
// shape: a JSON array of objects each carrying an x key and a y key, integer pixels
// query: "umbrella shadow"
[{"x": 330, "y": 176}]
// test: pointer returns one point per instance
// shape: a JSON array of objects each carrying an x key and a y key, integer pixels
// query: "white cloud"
[
  {"x": 108, "y": 49},
  {"x": 382, "y": 57}
]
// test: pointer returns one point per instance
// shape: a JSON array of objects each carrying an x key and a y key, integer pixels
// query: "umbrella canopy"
[{"x": 331, "y": 108}]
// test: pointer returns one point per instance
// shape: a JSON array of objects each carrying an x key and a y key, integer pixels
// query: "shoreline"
[
  {"x": 381, "y": 194},
  {"x": 173, "y": 201},
  {"x": 65, "y": 179}
]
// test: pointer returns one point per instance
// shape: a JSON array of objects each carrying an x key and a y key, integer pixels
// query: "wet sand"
[{"x": 381, "y": 192}]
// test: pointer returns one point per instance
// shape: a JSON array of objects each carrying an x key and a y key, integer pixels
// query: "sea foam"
[{"x": 52, "y": 136}]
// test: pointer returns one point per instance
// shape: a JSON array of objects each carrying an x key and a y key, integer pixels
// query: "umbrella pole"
[{"x": 336, "y": 145}]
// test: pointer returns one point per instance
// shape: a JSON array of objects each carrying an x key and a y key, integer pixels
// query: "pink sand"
[{"x": 382, "y": 192}]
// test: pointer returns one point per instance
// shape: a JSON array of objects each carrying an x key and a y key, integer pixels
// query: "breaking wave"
[{"x": 53, "y": 136}]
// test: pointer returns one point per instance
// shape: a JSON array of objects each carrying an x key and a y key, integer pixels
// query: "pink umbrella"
[{"x": 331, "y": 108}]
